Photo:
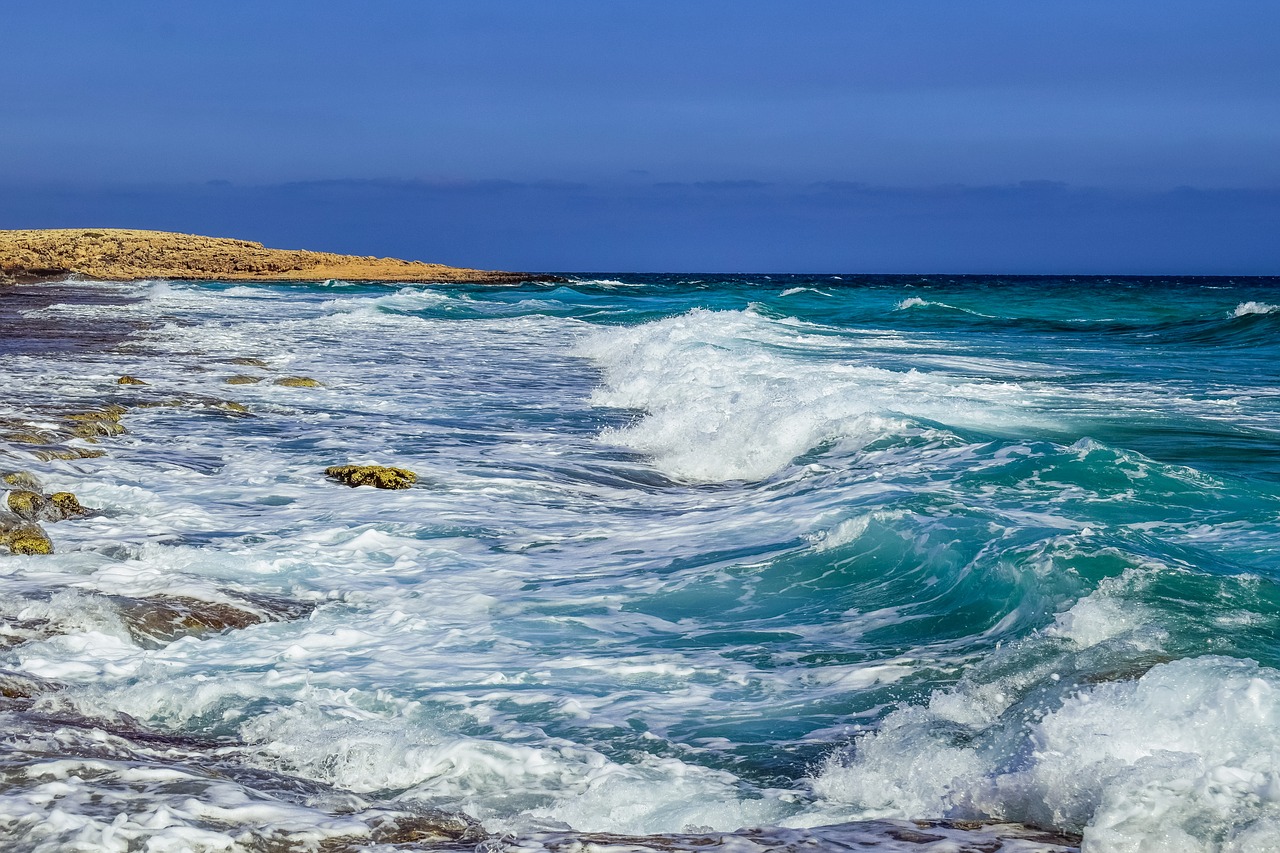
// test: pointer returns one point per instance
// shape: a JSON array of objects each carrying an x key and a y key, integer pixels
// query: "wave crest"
[{"x": 1246, "y": 308}]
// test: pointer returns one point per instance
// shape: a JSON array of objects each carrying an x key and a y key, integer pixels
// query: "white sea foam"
[
  {"x": 792, "y": 291},
  {"x": 1246, "y": 308},
  {"x": 1185, "y": 758},
  {"x": 918, "y": 302},
  {"x": 736, "y": 395}
]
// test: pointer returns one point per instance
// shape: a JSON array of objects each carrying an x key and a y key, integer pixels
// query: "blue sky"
[{"x": 805, "y": 136}]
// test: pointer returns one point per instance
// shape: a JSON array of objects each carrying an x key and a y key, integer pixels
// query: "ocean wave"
[
  {"x": 607, "y": 283},
  {"x": 1186, "y": 753},
  {"x": 735, "y": 395},
  {"x": 917, "y": 302},
  {"x": 792, "y": 291},
  {"x": 1246, "y": 308}
]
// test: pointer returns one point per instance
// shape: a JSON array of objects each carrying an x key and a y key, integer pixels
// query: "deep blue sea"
[{"x": 687, "y": 554}]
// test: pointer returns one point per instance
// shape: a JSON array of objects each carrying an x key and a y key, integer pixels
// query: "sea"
[{"x": 692, "y": 563}]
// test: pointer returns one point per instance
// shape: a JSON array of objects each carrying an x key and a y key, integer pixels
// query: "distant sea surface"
[{"x": 822, "y": 555}]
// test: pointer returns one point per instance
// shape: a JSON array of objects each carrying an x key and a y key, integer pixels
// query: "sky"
[{"x": 610, "y": 135}]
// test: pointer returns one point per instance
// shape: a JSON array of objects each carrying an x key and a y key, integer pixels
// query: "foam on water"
[
  {"x": 1251, "y": 307},
  {"x": 670, "y": 550},
  {"x": 734, "y": 395}
]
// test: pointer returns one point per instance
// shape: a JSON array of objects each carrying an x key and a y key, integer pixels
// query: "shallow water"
[{"x": 686, "y": 555}]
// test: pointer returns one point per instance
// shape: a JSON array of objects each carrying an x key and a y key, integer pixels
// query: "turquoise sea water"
[{"x": 687, "y": 554}]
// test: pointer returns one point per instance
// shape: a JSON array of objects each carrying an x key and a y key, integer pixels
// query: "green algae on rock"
[
  {"x": 68, "y": 504},
  {"x": 248, "y": 362},
  {"x": 29, "y": 506},
  {"x": 23, "y": 537},
  {"x": 242, "y": 379},
  {"x": 22, "y": 480},
  {"x": 378, "y": 476},
  {"x": 34, "y": 506},
  {"x": 129, "y": 380},
  {"x": 298, "y": 382}
]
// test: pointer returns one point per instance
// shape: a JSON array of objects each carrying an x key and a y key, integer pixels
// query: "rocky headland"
[{"x": 114, "y": 254}]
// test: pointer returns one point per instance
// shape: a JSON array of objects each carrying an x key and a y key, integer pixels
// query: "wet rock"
[
  {"x": 298, "y": 382},
  {"x": 434, "y": 826},
  {"x": 378, "y": 476},
  {"x": 34, "y": 506},
  {"x": 129, "y": 380},
  {"x": 97, "y": 422},
  {"x": 23, "y": 688},
  {"x": 68, "y": 504},
  {"x": 242, "y": 379},
  {"x": 197, "y": 403},
  {"x": 68, "y": 453},
  {"x": 29, "y": 437},
  {"x": 22, "y": 480},
  {"x": 163, "y": 619},
  {"x": 248, "y": 362},
  {"x": 21, "y": 536},
  {"x": 29, "y": 506}
]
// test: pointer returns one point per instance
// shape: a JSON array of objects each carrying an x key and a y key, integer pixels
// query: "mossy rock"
[
  {"x": 28, "y": 437},
  {"x": 22, "y": 480},
  {"x": 107, "y": 414},
  {"x": 129, "y": 380},
  {"x": 67, "y": 504},
  {"x": 248, "y": 362},
  {"x": 93, "y": 429},
  {"x": 298, "y": 382},
  {"x": 28, "y": 505},
  {"x": 34, "y": 506},
  {"x": 242, "y": 379},
  {"x": 68, "y": 453},
  {"x": 23, "y": 537},
  {"x": 378, "y": 476}
]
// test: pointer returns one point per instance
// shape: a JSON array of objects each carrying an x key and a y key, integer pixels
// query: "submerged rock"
[
  {"x": 162, "y": 619},
  {"x": 23, "y": 537},
  {"x": 129, "y": 380},
  {"x": 22, "y": 480},
  {"x": 378, "y": 476},
  {"x": 298, "y": 382},
  {"x": 431, "y": 827},
  {"x": 242, "y": 379},
  {"x": 96, "y": 422},
  {"x": 248, "y": 362},
  {"x": 68, "y": 453}
]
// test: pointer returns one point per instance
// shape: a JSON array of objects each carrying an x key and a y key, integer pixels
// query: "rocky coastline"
[{"x": 113, "y": 254}]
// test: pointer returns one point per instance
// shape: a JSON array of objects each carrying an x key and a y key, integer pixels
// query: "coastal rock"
[
  {"x": 129, "y": 380},
  {"x": 129, "y": 255},
  {"x": 242, "y": 379},
  {"x": 432, "y": 827},
  {"x": 298, "y": 382},
  {"x": 67, "y": 504},
  {"x": 163, "y": 619},
  {"x": 68, "y": 453},
  {"x": 248, "y": 362},
  {"x": 22, "y": 480},
  {"x": 31, "y": 506},
  {"x": 35, "y": 506},
  {"x": 97, "y": 422},
  {"x": 378, "y": 476},
  {"x": 21, "y": 536}
]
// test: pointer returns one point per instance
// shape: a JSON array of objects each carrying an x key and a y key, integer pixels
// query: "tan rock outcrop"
[{"x": 124, "y": 255}]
